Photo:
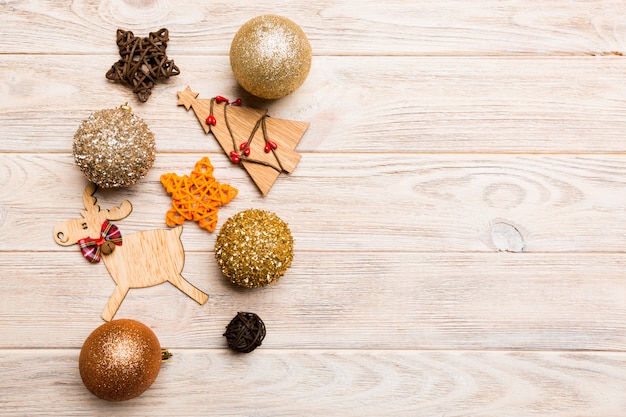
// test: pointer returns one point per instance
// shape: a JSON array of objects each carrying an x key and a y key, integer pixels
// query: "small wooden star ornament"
[
  {"x": 197, "y": 196},
  {"x": 264, "y": 146},
  {"x": 143, "y": 61}
]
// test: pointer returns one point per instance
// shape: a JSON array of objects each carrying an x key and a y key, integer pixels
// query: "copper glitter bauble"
[
  {"x": 270, "y": 56},
  {"x": 254, "y": 248},
  {"x": 120, "y": 360},
  {"x": 114, "y": 148}
]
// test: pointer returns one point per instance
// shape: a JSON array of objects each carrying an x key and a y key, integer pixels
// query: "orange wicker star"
[{"x": 197, "y": 196}]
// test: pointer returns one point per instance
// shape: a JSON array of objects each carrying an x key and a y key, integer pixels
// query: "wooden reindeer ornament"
[
  {"x": 137, "y": 260},
  {"x": 264, "y": 146}
]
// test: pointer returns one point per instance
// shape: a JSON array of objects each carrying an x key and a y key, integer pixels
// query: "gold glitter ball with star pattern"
[
  {"x": 254, "y": 248},
  {"x": 114, "y": 148},
  {"x": 120, "y": 360},
  {"x": 270, "y": 56}
]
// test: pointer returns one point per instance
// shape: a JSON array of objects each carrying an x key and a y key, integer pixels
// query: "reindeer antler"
[
  {"x": 120, "y": 212},
  {"x": 89, "y": 201}
]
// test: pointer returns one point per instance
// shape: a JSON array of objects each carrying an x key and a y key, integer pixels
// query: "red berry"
[
  {"x": 273, "y": 145},
  {"x": 243, "y": 145},
  {"x": 267, "y": 148},
  {"x": 211, "y": 120},
  {"x": 236, "y": 102},
  {"x": 234, "y": 156},
  {"x": 220, "y": 99},
  {"x": 246, "y": 152}
]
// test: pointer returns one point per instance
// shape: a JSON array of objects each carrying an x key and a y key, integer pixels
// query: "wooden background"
[{"x": 459, "y": 212}]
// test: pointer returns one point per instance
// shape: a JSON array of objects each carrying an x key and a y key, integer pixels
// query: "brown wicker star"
[{"x": 143, "y": 61}]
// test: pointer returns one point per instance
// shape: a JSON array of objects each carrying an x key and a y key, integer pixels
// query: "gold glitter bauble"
[
  {"x": 270, "y": 56},
  {"x": 254, "y": 248},
  {"x": 114, "y": 148},
  {"x": 120, "y": 360}
]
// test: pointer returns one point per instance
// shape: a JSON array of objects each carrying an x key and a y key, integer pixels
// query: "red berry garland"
[{"x": 244, "y": 147}]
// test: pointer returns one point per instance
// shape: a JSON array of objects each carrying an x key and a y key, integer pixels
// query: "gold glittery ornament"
[
  {"x": 114, "y": 148},
  {"x": 120, "y": 360},
  {"x": 270, "y": 56},
  {"x": 254, "y": 248}
]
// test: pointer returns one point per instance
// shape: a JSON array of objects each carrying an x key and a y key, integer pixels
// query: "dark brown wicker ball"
[{"x": 245, "y": 332}]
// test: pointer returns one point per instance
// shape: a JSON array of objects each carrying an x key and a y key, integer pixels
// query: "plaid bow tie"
[{"x": 90, "y": 247}]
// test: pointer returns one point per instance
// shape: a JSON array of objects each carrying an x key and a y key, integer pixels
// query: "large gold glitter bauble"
[
  {"x": 254, "y": 248},
  {"x": 270, "y": 56},
  {"x": 114, "y": 148},
  {"x": 120, "y": 360}
]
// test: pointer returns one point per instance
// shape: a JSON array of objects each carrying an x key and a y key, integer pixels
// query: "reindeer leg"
[
  {"x": 114, "y": 302},
  {"x": 182, "y": 284}
]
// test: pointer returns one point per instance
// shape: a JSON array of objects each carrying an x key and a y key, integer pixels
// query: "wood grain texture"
[
  {"x": 322, "y": 383},
  {"x": 377, "y": 202},
  {"x": 348, "y": 27},
  {"x": 458, "y": 211},
  {"x": 342, "y": 300},
  {"x": 354, "y": 104}
]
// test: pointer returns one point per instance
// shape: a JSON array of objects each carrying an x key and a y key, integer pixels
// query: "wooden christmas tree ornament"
[
  {"x": 137, "y": 260},
  {"x": 264, "y": 146}
]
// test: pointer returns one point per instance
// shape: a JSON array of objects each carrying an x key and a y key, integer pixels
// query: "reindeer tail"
[{"x": 178, "y": 230}]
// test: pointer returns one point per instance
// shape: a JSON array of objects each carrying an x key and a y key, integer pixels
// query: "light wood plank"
[
  {"x": 323, "y": 383},
  {"x": 444, "y": 135},
  {"x": 339, "y": 300},
  {"x": 348, "y": 27},
  {"x": 354, "y": 104},
  {"x": 360, "y": 202}
]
